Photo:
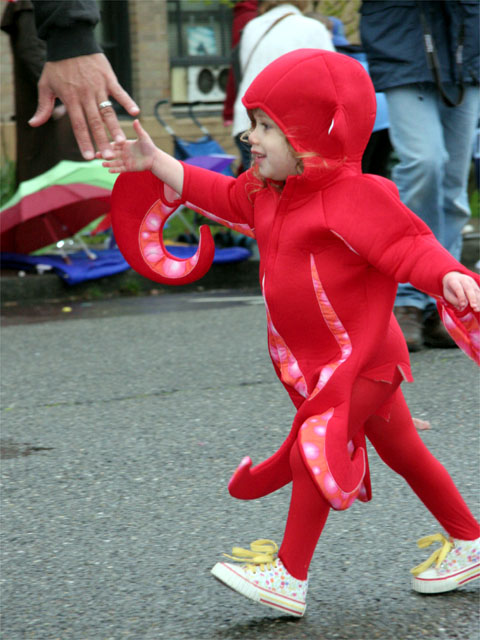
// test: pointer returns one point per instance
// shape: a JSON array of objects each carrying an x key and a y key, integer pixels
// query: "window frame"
[{"x": 178, "y": 16}]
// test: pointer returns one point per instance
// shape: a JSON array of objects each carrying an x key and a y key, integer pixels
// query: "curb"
[{"x": 47, "y": 288}]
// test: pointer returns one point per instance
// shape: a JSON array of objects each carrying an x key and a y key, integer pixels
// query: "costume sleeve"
[
  {"x": 220, "y": 198},
  {"x": 370, "y": 218},
  {"x": 67, "y": 27}
]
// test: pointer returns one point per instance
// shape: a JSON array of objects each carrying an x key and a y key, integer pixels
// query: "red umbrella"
[{"x": 50, "y": 215}]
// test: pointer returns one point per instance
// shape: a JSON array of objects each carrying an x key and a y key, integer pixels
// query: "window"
[
  {"x": 199, "y": 32},
  {"x": 199, "y": 38}
]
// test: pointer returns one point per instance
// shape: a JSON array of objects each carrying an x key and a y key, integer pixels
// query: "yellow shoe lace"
[
  {"x": 437, "y": 556},
  {"x": 262, "y": 554}
]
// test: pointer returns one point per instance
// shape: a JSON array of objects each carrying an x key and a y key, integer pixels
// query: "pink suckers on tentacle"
[
  {"x": 141, "y": 205},
  {"x": 312, "y": 439},
  {"x": 168, "y": 268}
]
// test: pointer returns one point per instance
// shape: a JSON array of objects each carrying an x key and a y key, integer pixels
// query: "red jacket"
[{"x": 333, "y": 245}]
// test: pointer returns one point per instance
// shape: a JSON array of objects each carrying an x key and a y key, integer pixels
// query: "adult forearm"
[{"x": 67, "y": 27}]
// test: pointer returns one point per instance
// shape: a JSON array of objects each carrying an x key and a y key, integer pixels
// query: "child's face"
[{"x": 270, "y": 150}]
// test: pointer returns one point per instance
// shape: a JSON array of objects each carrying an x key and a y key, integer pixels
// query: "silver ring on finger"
[{"x": 104, "y": 104}]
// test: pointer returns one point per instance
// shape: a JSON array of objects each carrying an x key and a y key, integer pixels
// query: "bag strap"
[
  {"x": 432, "y": 59},
  {"x": 274, "y": 24}
]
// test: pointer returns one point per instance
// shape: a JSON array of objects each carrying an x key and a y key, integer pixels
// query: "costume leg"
[
  {"x": 399, "y": 445},
  {"x": 306, "y": 518},
  {"x": 308, "y": 508}
]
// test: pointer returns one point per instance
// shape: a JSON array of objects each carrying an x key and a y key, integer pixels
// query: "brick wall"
[{"x": 150, "y": 57}]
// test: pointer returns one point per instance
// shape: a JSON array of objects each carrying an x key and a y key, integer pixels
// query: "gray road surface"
[{"x": 122, "y": 422}]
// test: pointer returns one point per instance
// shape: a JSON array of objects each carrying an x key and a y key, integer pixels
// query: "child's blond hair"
[{"x": 302, "y": 158}]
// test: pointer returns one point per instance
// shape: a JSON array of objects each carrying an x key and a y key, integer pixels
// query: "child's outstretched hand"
[
  {"x": 142, "y": 155},
  {"x": 461, "y": 290},
  {"x": 133, "y": 155}
]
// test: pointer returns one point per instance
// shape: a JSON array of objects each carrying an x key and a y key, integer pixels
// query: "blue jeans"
[{"x": 433, "y": 143}]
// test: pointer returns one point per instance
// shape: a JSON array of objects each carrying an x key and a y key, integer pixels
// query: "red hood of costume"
[{"x": 324, "y": 102}]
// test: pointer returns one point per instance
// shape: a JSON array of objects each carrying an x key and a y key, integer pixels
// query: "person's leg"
[
  {"x": 457, "y": 561},
  {"x": 416, "y": 134},
  {"x": 307, "y": 516},
  {"x": 458, "y": 132},
  {"x": 309, "y": 510},
  {"x": 281, "y": 582},
  {"x": 418, "y": 137},
  {"x": 459, "y": 124},
  {"x": 399, "y": 445}
]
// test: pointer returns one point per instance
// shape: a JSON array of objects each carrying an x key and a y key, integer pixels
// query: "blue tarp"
[{"x": 107, "y": 263}]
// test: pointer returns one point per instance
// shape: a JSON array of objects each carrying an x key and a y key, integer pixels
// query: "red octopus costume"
[{"x": 333, "y": 245}]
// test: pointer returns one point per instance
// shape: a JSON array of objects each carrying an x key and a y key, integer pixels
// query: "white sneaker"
[
  {"x": 263, "y": 578},
  {"x": 456, "y": 563}
]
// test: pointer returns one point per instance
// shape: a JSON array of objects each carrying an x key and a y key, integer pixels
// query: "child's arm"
[
  {"x": 143, "y": 155},
  {"x": 461, "y": 290},
  {"x": 393, "y": 239},
  {"x": 215, "y": 196}
]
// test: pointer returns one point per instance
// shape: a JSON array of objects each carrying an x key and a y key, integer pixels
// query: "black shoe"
[
  {"x": 434, "y": 333},
  {"x": 410, "y": 321}
]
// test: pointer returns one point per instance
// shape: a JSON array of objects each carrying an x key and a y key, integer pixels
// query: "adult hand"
[{"x": 82, "y": 84}]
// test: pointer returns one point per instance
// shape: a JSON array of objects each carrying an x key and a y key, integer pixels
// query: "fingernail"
[
  {"x": 88, "y": 155},
  {"x": 108, "y": 154},
  {"x": 119, "y": 138}
]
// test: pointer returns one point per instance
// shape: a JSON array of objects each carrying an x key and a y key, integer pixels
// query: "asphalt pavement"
[{"x": 121, "y": 423}]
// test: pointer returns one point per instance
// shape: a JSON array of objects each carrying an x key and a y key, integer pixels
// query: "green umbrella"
[{"x": 65, "y": 172}]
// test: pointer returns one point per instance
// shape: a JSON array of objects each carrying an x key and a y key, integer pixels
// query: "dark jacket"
[
  {"x": 392, "y": 36},
  {"x": 40, "y": 148},
  {"x": 67, "y": 27}
]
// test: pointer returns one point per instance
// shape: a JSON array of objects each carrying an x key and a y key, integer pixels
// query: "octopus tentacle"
[
  {"x": 463, "y": 327},
  {"x": 168, "y": 268},
  {"x": 250, "y": 483},
  {"x": 140, "y": 209},
  {"x": 313, "y": 436}
]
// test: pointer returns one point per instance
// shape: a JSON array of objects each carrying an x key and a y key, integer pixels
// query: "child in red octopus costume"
[{"x": 333, "y": 245}]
